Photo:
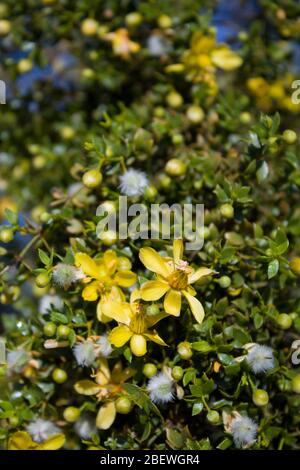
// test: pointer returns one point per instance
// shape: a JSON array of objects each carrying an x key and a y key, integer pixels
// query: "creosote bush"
[{"x": 139, "y": 343}]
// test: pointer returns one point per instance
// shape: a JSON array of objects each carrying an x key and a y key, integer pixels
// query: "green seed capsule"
[
  {"x": 295, "y": 266},
  {"x": 260, "y": 397},
  {"x": 49, "y": 329},
  {"x": 149, "y": 370},
  {"x": 71, "y": 414},
  {"x": 59, "y": 376},
  {"x": 289, "y": 136},
  {"x": 227, "y": 211},
  {"x": 42, "y": 280},
  {"x": 213, "y": 417},
  {"x": 284, "y": 321},
  {"x": 177, "y": 373},
  {"x": 6, "y": 235},
  {"x": 224, "y": 282},
  {"x": 92, "y": 178},
  {"x": 123, "y": 405},
  {"x": 184, "y": 350},
  {"x": 63, "y": 331},
  {"x": 296, "y": 384}
]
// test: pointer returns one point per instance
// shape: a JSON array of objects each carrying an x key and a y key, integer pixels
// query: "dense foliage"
[{"x": 108, "y": 345}]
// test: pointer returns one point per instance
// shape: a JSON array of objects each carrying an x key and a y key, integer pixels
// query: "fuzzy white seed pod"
[
  {"x": 65, "y": 275},
  {"x": 85, "y": 426},
  {"x": 260, "y": 358},
  {"x": 161, "y": 388},
  {"x": 103, "y": 346},
  {"x": 84, "y": 353},
  {"x": 133, "y": 183},
  {"x": 41, "y": 429},
  {"x": 244, "y": 431}
]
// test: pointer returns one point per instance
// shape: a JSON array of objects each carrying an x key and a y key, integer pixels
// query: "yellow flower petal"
[
  {"x": 195, "y": 306},
  {"x": 106, "y": 416},
  {"x": 125, "y": 278},
  {"x": 153, "y": 319},
  {"x": 119, "y": 311},
  {"x": 20, "y": 440},
  {"x": 110, "y": 260},
  {"x": 155, "y": 338},
  {"x": 87, "y": 264},
  {"x": 90, "y": 292},
  {"x": 100, "y": 315},
  {"x": 153, "y": 290},
  {"x": 201, "y": 272},
  {"x": 120, "y": 335},
  {"x": 154, "y": 262},
  {"x": 103, "y": 376},
  {"x": 53, "y": 442},
  {"x": 138, "y": 345},
  {"x": 177, "y": 250},
  {"x": 172, "y": 303},
  {"x": 86, "y": 387},
  {"x": 226, "y": 59},
  {"x": 135, "y": 295}
]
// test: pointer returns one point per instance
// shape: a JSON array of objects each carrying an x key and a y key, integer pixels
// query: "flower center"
[
  {"x": 137, "y": 324},
  {"x": 178, "y": 280}
]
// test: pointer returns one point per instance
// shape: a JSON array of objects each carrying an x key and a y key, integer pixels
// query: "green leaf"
[
  {"x": 273, "y": 267},
  {"x": 11, "y": 216},
  {"x": 140, "y": 398},
  {"x": 202, "y": 346},
  {"x": 58, "y": 317},
  {"x": 44, "y": 257},
  {"x": 197, "y": 408}
]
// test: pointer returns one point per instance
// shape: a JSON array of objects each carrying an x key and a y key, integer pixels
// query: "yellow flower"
[
  {"x": 205, "y": 55},
  {"x": 104, "y": 276},
  {"x": 173, "y": 279},
  {"x": 107, "y": 386},
  {"x": 21, "y": 440},
  {"x": 121, "y": 43},
  {"x": 134, "y": 324}
]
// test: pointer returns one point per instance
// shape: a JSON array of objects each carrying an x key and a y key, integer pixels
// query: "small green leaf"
[
  {"x": 197, "y": 408},
  {"x": 273, "y": 267}
]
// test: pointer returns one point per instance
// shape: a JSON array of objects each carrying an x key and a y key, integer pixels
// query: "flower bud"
[
  {"x": 133, "y": 19},
  {"x": 175, "y": 167},
  {"x": 184, "y": 350},
  {"x": 5, "y": 27},
  {"x": 92, "y": 178},
  {"x": 6, "y": 235},
  {"x": 174, "y": 99},
  {"x": 89, "y": 27},
  {"x": 195, "y": 114}
]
